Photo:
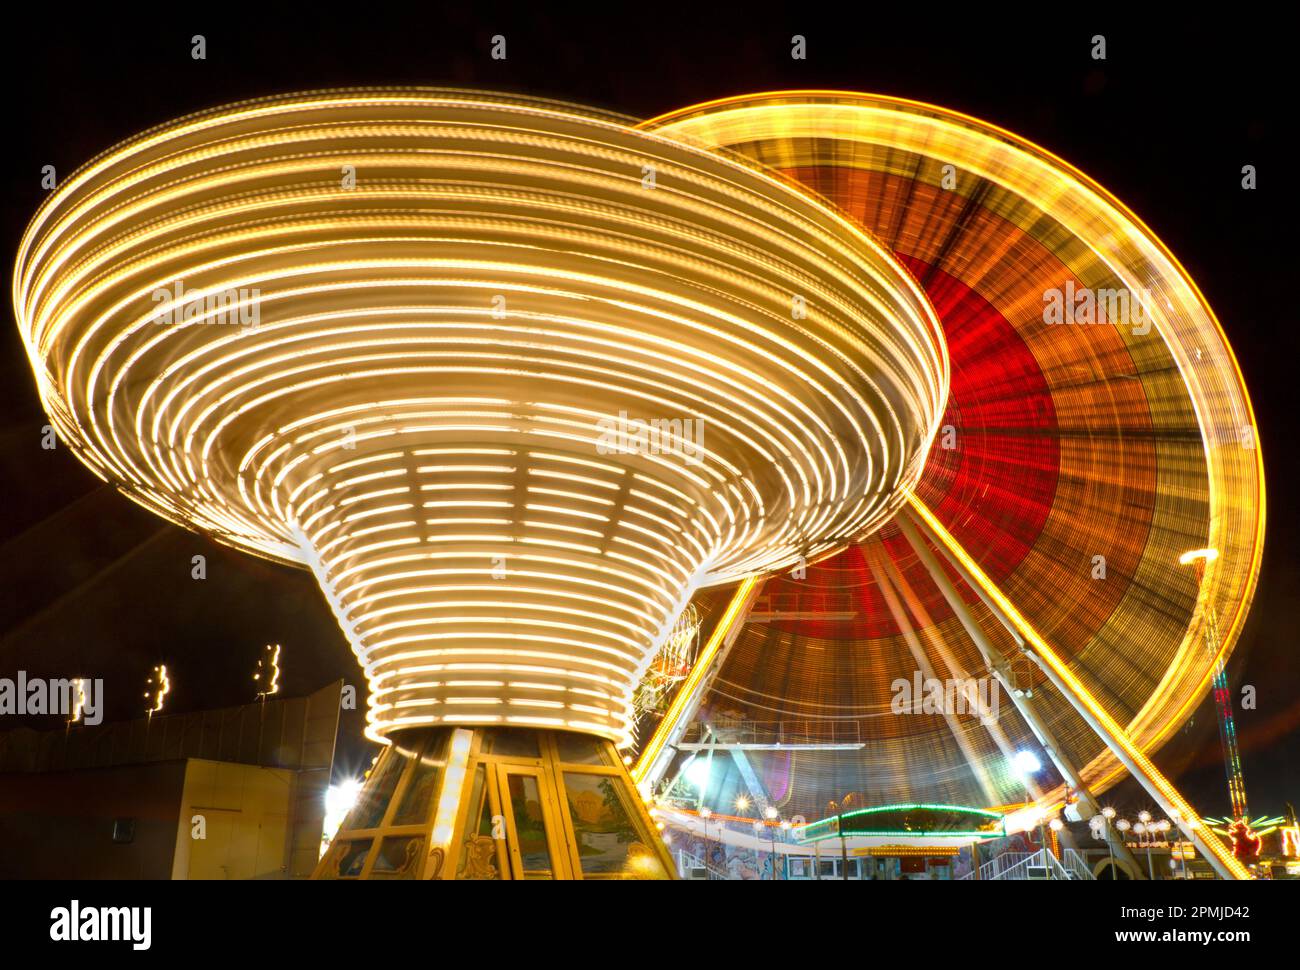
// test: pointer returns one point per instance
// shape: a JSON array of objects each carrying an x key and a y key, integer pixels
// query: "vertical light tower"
[
  {"x": 1221, "y": 692},
  {"x": 513, "y": 380}
]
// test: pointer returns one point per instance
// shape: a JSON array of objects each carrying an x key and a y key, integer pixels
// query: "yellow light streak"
[
  {"x": 160, "y": 687},
  {"x": 78, "y": 700},
  {"x": 691, "y": 685},
  {"x": 453, "y": 781},
  {"x": 1114, "y": 733},
  {"x": 1198, "y": 555},
  {"x": 268, "y": 671}
]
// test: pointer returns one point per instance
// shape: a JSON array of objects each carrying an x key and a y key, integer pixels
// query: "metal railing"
[
  {"x": 777, "y": 732},
  {"x": 1077, "y": 865},
  {"x": 995, "y": 867},
  {"x": 686, "y": 861},
  {"x": 776, "y": 604},
  {"x": 1016, "y": 865}
]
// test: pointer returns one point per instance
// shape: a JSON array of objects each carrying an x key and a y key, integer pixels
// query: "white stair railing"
[
  {"x": 995, "y": 867},
  {"x": 1041, "y": 858},
  {"x": 687, "y": 861},
  {"x": 1016, "y": 865},
  {"x": 1077, "y": 865}
]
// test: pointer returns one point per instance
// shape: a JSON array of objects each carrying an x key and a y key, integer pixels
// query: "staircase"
[
  {"x": 686, "y": 862},
  {"x": 1016, "y": 865}
]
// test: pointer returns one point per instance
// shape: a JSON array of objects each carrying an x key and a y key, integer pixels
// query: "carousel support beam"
[
  {"x": 922, "y": 660},
  {"x": 660, "y": 750},
  {"x": 1123, "y": 747},
  {"x": 710, "y": 737},
  {"x": 998, "y": 665},
  {"x": 929, "y": 627},
  {"x": 750, "y": 777},
  {"x": 776, "y": 746}
]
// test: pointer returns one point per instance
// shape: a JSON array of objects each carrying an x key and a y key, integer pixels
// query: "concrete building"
[{"x": 236, "y": 793}]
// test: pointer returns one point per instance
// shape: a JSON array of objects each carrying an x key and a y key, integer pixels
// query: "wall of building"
[
  {"x": 234, "y": 823},
  {"x": 256, "y": 773},
  {"x": 61, "y": 824}
]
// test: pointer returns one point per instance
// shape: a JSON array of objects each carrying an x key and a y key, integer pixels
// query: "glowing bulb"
[
  {"x": 1026, "y": 763},
  {"x": 697, "y": 773},
  {"x": 339, "y": 800},
  {"x": 1203, "y": 555}
]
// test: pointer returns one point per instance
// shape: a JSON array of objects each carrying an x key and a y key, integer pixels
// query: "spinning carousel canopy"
[{"x": 414, "y": 339}]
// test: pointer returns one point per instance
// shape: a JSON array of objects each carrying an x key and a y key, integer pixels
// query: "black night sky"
[{"x": 90, "y": 583}]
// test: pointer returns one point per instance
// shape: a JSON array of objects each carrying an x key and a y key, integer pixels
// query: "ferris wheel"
[{"x": 1086, "y": 535}]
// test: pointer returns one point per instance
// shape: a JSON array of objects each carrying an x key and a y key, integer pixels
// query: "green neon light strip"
[
  {"x": 907, "y": 808},
  {"x": 897, "y": 834},
  {"x": 826, "y": 822}
]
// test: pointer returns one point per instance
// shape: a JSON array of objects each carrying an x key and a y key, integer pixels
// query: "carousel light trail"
[{"x": 406, "y": 383}]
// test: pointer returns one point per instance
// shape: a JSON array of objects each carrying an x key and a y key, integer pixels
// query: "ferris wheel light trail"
[
  {"x": 1053, "y": 435},
  {"x": 268, "y": 664},
  {"x": 1088, "y": 706},
  {"x": 851, "y": 133},
  {"x": 78, "y": 699}
]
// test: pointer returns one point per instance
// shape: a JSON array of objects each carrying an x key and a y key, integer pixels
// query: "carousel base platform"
[{"x": 487, "y": 803}]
